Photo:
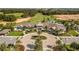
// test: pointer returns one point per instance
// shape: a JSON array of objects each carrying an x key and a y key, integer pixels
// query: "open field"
[
  {"x": 67, "y": 17},
  {"x": 17, "y": 21},
  {"x": 22, "y": 19},
  {"x": 3, "y": 22},
  {"x": 1, "y": 12},
  {"x": 17, "y": 15},
  {"x": 35, "y": 19},
  {"x": 39, "y": 18},
  {"x": 71, "y": 33},
  {"x": 15, "y": 33}
]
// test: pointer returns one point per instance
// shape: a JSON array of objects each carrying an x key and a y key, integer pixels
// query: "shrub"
[
  {"x": 74, "y": 45},
  {"x": 19, "y": 48}
]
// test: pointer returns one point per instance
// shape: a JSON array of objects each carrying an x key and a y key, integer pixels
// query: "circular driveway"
[{"x": 47, "y": 44}]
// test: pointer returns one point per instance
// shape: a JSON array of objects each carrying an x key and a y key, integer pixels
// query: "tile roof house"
[
  {"x": 55, "y": 26},
  {"x": 28, "y": 25},
  {"x": 24, "y": 25},
  {"x": 60, "y": 27},
  {"x": 39, "y": 26}
]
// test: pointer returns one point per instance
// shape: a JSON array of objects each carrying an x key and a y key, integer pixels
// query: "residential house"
[
  {"x": 39, "y": 26},
  {"x": 20, "y": 27},
  {"x": 8, "y": 40},
  {"x": 28, "y": 25},
  {"x": 5, "y": 31},
  {"x": 61, "y": 27},
  {"x": 55, "y": 26},
  {"x": 69, "y": 39}
]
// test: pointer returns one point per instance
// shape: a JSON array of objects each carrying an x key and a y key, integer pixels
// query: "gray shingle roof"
[
  {"x": 5, "y": 31},
  {"x": 8, "y": 39},
  {"x": 68, "y": 40}
]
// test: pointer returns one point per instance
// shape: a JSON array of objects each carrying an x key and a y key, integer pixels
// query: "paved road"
[
  {"x": 27, "y": 41},
  {"x": 49, "y": 42}
]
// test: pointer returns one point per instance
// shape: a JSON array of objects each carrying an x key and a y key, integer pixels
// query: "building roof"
[
  {"x": 68, "y": 39},
  {"x": 60, "y": 27},
  {"x": 39, "y": 24},
  {"x": 8, "y": 39},
  {"x": 26, "y": 25},
  {"x": 5, "y": 31}
]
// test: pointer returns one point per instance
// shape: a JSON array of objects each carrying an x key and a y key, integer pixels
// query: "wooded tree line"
[
  {"x": 46, "y": 11},
  {"x": 7, "y": 17},
  {"x": 59, "y": 11},
  {"x": 29, "y": 12},
  {"x": 26, "y": 12}
]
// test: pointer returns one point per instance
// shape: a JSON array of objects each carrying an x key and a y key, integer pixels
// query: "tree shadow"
[{"x": 49, "y": 46}]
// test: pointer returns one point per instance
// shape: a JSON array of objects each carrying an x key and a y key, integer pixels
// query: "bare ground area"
[
  {"x": 22, "y": 19},
  {"x": 67, "y": 17},
  {"x": 17, "y": 21}
]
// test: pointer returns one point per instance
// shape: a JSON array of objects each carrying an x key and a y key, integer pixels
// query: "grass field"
[
  {"x": 23, "y": 20},
  {"x": 71, "y": 33},
  {"x": 1, "y": 12},
  {"x": 39, "y": 17},
  {"x": 17, "y": 15},
  {"x": 15, "y": 33},
  {"x": 67, "y": 17}
]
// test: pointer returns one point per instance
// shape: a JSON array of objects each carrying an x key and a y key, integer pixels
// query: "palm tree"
[
  {"x": 59, "y": 47},
  {"x": 74, "y": 45},
  {"x": 58, "y": 42},
  {"x": 38, "y": 42},
  {"x": 38, "y": 45},
  {"x": 3, "y": 47}
]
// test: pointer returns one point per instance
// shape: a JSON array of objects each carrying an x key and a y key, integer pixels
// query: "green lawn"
[
  {"x": 1, "y": 12},
  {"x": 17, "y": 15},
  {"x": 15, "y": 33},
  {"x": 68, "y": 48},
  {"x": 71, "y": 33},
  {"x": 39, "y": 17}
]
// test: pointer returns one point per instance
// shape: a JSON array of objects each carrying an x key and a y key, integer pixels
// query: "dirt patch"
[
  {"x": 17, "y": 21},
  {"x": 22, "y": 19},
  {"x": 4, "y": 22},
  {"x": 67, "y": 17}
]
